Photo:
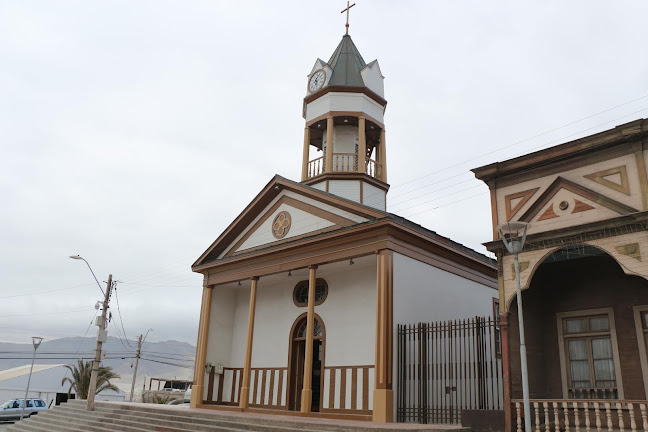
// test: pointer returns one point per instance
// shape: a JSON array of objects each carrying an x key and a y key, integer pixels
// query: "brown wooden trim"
[
  {"x": 332, "y": 373},
  {"x": 643, "y": 176},
  {"x": 334, "y": 114},
  {"x": 210, "y": 387},
  {"x": 365, "y": 388},
  {"x": 353, "y": 175},
  {"x": 265, "y": 197},
  {"x": 494, "y": 216},
  {"x": 315, "y": 211},
  {"x": 354, "y": 388},
  {"x": 349, "y": 367},
  {"x": 256, "y": 386},
  {"x": 221, "y": 381},
  {"x": 271, "y": 391},
  {"x": 345, "y": 89},
  {"x": 355, "y": 241},
  {"x": 361, "y": 192},
  {"x": 235, "y": 379},
  {"x": 280, "y": 389},
  {"x": 343, "y": 377},
  {"x": 573, "y": 154},
  {"x": 562, "y": 183},
  {"x": 300, "y": 285},
  {"x": 384, "y": 319}
]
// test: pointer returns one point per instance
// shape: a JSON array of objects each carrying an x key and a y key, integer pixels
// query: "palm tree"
[{"x": 80, "y": 380}]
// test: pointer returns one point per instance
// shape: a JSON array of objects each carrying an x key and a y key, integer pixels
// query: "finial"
[{"x": 347, "y": 12}]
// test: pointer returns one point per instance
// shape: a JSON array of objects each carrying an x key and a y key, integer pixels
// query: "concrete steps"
[{"x": 137, "y": 417}]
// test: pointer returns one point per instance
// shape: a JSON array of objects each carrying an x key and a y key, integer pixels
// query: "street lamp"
[
  {"x": 514, "y": 235},
  {"x": 36, "y": 341},
  {"x": 102, "y": 336}
]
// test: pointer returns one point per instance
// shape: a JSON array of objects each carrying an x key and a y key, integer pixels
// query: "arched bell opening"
[
  {"x": 585, "y": 328},
  {"x": 296, "y": 358}
]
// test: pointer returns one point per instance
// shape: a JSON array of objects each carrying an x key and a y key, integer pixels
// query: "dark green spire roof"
[{"x": 346, "y": 63}]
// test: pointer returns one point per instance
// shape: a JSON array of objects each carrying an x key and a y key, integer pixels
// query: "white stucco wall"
[
  {"x": 423, "y": 293},
  {"x": 349, "y": 189},
  {"x": 373, "y": 196}
]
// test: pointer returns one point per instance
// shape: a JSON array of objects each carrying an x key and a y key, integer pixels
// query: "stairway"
[{"x": 137, "y": 417}]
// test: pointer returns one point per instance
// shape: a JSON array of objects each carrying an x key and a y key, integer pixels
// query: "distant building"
[{"x": 45, "y": 384}]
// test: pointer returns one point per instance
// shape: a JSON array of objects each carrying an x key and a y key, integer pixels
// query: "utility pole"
[
  {"x": 101, "y": 338},
  {"x": 137, "y": 357}
]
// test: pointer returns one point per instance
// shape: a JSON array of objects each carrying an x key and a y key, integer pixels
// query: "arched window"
[
  {"x": 300, "y": 293},
  {"x": 301, "y": 330}
]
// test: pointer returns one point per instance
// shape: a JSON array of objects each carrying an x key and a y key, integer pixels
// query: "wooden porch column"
[
  {"x": 307, "y": 392},
  {"x": 244, "y": 397},
  {"x": 362, "y": 145},
  {"x": 201, "y": 348},
  {"x": 306, "y": 153},
  {"x": 329, "y": 144},
  {"x": 383, "y": 400},
  {"x": 382, "y": 152}
]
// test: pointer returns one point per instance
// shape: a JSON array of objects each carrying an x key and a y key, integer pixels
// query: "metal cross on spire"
[{"x": 347, "y": 12}]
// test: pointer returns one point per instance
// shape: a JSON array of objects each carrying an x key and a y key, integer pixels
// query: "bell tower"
[{"x": 344, "y": 138}]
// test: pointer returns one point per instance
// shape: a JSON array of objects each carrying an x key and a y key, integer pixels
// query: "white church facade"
[{"x": 303, "y": 291}]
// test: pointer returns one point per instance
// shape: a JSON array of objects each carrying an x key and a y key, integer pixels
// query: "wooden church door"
[{"x": 297, "y": 359}]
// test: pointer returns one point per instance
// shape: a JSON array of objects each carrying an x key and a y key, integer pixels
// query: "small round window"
[{"x": 300, "y": 293}]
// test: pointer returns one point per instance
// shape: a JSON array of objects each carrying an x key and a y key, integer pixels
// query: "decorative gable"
[
  {"x": 567, "y": 200},
  {"x": 288, "y": 218}
]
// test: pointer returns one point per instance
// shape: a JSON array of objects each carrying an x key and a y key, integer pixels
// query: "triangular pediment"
[
  {"x": 285, "y": 211},
  {"x": 564, "y": 197}
]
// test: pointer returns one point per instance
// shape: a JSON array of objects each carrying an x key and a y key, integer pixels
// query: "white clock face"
[{"x": 317, "y": 81}]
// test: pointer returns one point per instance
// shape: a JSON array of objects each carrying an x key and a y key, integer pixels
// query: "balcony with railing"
[{"x": 344, "y": 163}]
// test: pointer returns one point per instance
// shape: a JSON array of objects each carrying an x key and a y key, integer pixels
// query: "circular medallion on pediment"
[{"x": 281, "y": 224}]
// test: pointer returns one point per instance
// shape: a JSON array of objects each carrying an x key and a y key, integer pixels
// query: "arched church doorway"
[{"x": 296, "y": 359}]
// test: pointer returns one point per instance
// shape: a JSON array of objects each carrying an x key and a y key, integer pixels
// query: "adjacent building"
[{"x": 583, "y": 274}]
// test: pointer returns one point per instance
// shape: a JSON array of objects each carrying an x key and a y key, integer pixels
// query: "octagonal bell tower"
[{"x": 344, "y": 138}]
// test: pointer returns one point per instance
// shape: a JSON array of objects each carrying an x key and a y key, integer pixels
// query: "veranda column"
[
  {"x": 329, "y": 144},
  {"x": 382, "y": 152},
  {"x": 201, "y": 348},
  {"x": 306, "y": 153},
  {"x": 383, "y": 400},
  {"x": 307, "y": 392},
  {"x": 244, "y": 397},
  {"x": 362, "y": 144}
]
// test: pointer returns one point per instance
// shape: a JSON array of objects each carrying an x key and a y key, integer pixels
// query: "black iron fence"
[{"x": 446, "y": 367}]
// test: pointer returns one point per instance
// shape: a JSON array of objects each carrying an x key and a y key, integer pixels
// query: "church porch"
[{"x": 343, "y": 344}]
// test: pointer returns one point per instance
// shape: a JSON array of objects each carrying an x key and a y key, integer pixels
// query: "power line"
[
  {"x": 120, "y": 317},
  {"x": 167, "y": 363}
]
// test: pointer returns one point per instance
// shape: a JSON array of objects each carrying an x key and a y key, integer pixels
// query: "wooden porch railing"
[
  {"x": 267, "y": 387},
  {"x": 348, "y": 389},
  {"x": 345, "y": 162},
  {"x": 576, "y": 415},
  {"x": 373, "y": 168}
]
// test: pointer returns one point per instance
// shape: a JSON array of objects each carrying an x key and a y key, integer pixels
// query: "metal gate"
[{"x": 448, "y": 366}]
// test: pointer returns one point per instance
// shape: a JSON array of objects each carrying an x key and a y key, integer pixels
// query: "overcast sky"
[{"x": 133, "y": 132}]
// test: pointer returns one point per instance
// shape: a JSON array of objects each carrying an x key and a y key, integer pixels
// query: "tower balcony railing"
[{"x": 343, "y": 162}]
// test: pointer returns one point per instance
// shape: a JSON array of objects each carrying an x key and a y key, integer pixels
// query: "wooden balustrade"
[
  {"x": 575, "y": 415},
  {"x": 267, "y": 387},
  {"x": 343, "y": 162},
  {"x": 348, "y": 389},
  {"x": 316, "y": 167}
]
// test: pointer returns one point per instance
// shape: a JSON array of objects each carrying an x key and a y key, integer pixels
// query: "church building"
[{"x": 303, "y": 291}]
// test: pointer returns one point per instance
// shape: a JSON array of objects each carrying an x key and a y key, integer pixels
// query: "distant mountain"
[{"x": 166, "y": 359}]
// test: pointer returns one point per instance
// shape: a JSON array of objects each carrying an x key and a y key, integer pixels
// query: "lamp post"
[
  {"x": 513, "y": 235},
  {"x": 102, "y": 336},
  {"x": 36, "y": 341}
]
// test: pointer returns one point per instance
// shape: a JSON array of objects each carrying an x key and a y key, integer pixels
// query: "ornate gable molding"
[{"x": 562, "y": 183}]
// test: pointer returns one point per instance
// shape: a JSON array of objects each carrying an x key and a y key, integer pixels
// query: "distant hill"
[{"x": 166, "y": 359}]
